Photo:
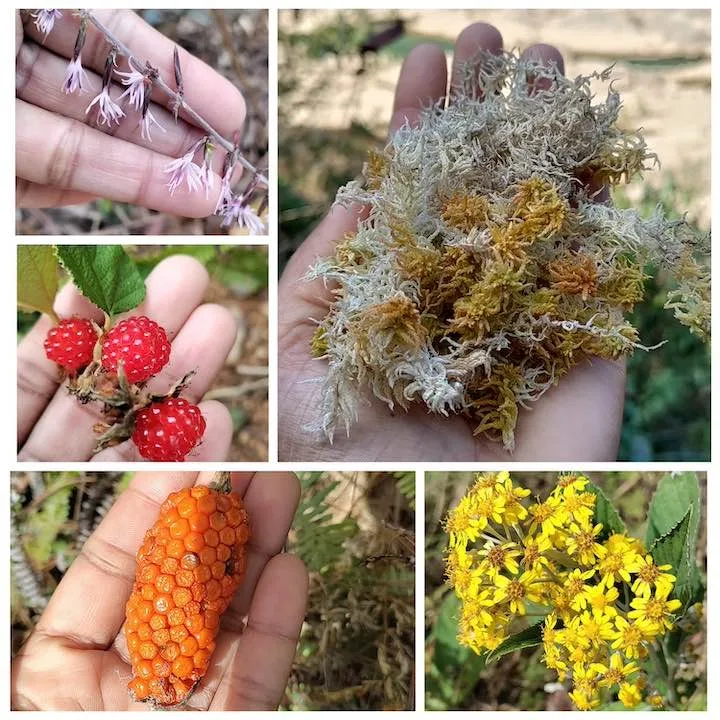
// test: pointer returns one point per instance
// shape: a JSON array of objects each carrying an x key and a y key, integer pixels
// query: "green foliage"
[
  {"x": 453, "y": 670},
  {"x": 105, "y": 275},
  {"x": 672, "y": 534},
  {"x": 318, "y": 538},
  {"x": 606, "y": 513},
  {"x": 43, "y": 526},
  {"x": 37, "y": 278},
  {"x": 242, "y": 269},
  {"x": 406, "y": 486},
  {"x": 529, "y": 637}
]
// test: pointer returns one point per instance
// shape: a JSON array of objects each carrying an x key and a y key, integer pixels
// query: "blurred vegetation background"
[
  {"x": 336, "y": 75},
  {"x": 456, "y": 678},
  {"x": 235, "y": 44},
  {"x": 238, "y": 281},
  {"x": 355, "y": 532}
]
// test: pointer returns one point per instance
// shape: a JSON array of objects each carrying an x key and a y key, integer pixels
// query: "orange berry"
[
  {"x": 201, "y": 659},
  {"x": 199, "y": 522},
  {"x": 194, "y": 542},
  {"x": 182, "y": 667},
  {"x": 186, "y": 507},
  {"x": 181, "y": 597},
  {"x": 188, "y": 568},
  {"x": 148, "y": 650},
  {"x": 165, "y": 584},
  {"x": 218, "y": 569},
  {"x": 211, "y": 537},
  {"x": 189, "y": 646},
  {"x": 176, "y": 616}
]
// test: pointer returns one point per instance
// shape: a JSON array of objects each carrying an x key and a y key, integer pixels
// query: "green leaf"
[
  {"x": 675, "y": 549},
  {"x": 37, "y": 278},
  {"x": 606, "y": 513},
  {"x": 44, "y": 525},
  {"x": 529, "y": 637},
  {"x": 673, "y": 496},
  {"x": 105, "y": 275}
]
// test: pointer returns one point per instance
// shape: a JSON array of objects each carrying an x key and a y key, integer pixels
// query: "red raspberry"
[
  {"x": 70, "y": 343},
  {"x": 140, "y": 344},
  {"x": 167, "y": 431}
]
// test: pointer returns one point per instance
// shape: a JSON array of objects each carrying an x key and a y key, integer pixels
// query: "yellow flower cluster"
[{"x": 604, "y": 600}]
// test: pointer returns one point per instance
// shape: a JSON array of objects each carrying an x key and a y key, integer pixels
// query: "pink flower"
[
  {"x": 45, "y": 20},
  {"x": 184, "y": 169},
  {"x": 147, "y": 122},
  {"x": 75, "y": 76},
  {"x": 226, "y": 194},
  {"x": 136, "y": 87},
  {"x": 108, "y": 111},
  {"x": 237, "y": 210}
]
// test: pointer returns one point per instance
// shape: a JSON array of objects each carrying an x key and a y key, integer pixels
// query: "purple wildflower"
[
  {"x": 75, "y": 76},
  {"x": 238, "y": 210},
  {"x": 226, "y": 194},
  {"x": 147, "y": 122},
  {"x": 135, "y": 82},
  {"x": 45, "y": 20},
  {"x": 184, "y": 169},
  {"x": 108, "y": 111}
]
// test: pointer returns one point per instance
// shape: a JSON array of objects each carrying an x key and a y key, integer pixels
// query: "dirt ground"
[{"x": 661, "y": 64}]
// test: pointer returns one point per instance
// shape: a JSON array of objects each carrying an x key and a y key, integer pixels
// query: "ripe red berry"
[
  {"x": 70, "y": 343},
  {"x": 167, "y": 431},
  {"x": 140, "y": 344}
]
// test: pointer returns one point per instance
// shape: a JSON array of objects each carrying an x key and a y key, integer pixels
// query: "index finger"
[{"x": 208, "y": 92}]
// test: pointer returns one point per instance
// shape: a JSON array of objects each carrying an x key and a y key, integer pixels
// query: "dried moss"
[{"x": 486, "y": 267}]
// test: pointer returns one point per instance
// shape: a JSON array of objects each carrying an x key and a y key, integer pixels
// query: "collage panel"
[
  {"x": 213, "y": 591},
  {"x": 514, "y": 270},
  {"x": 142, "y": 122},
  {"x": 142, "y": 353},
  {"x": 566, "y": 591}
]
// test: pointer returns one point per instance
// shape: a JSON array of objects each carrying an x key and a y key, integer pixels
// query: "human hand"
[
  {"x": 579, "y": 419},
  {"x": 76, "y": 659},
  {"x": 63, "y": 159},
  {"x": 53, "y": 425}
]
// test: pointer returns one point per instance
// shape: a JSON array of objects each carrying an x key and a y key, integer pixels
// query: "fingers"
[
  {"x": 88, "y": 607},
  {"x": 259, "y": 670},
  {"x": 471, "y": 41},
  {"x": 271, "y": 499},
  {"x": 210, "y": 94},
  {"x": 39, "y": 76},
  {"x": 547, "y": 56},
  {"x": 422, "y": 82},
  {"x": 34, "y": 195},
  {"x": 580, "y": 418},
  {"x": 57, "y": 151},
  {"x": 174, "y": 289}
]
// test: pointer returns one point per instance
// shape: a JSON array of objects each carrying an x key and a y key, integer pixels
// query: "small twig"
[{"x": 176, "y": 97}]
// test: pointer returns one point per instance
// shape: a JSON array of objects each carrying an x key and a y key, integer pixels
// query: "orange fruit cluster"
[{"x": 189, "y": 566}]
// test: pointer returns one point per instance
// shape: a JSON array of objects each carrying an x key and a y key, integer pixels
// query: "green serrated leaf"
[
  {"x": 606, "y": 513},
  {"x": 674, "y": 549},
  {"x": 105, "y": 275},
  {"x": 529, "y": 637},
  {"x": 673, "y": 496},
  {"x": 37, "y": 278},
  {"x": 44, "y": 525}
]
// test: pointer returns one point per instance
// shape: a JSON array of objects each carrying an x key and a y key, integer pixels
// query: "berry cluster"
[
  {"x": 112, "y": 366},
  {"x": 189, "y": 567}
]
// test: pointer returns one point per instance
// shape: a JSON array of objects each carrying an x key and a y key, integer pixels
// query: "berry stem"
[{"x": 222, "y": 482}]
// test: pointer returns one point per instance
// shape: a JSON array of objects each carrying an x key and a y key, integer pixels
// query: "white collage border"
[{"x": 8, "y": 243}]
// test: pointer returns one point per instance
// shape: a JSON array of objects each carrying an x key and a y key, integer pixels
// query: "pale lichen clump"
[{"x": 487, "y": 267}]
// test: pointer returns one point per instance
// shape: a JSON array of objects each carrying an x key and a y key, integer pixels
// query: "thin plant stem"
[{"x": 194, "y": 115}]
